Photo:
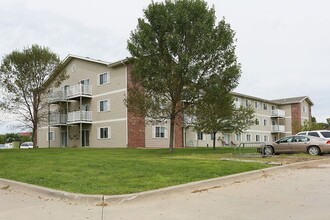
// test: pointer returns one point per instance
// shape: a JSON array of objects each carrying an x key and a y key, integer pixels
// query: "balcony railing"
[
  {"x": 79, "y": 90},
  {"x": 56, "y": 96},
  {"x": 278, "y": 113},
  {"x": 58, "y": 119},
  {"x": 79, "y": 117},
  {"x": 278, "y": 128}
]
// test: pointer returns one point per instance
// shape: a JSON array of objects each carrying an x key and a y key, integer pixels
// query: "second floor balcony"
[
  {"x": 79, "y": 90},
  {"x": 79, "y": 117},
  {"x": 277, "y": 113}
]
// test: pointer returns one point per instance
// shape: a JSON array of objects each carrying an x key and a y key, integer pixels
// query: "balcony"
[
  {"x": 277, "y": 113},
  {"x": 58, "y": 96},
  {"x": 58, "y": 119},
  {"x": 278, "y": 128},
  {"x": 79, "y": 90},
  {"x": 80, "y": 117}
]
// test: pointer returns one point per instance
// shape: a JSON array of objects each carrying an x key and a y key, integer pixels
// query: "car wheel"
[
  {"x": 313, "y": 150},
  {"x": 268, "y": 150}
]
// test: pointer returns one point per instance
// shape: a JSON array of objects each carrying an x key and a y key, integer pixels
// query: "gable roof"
[
  {"x": 284, "y": 101},
  {"x": 293, "y": 100}
]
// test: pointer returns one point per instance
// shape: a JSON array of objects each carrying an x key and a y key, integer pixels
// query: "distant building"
[{"x": 87, "y": 110}]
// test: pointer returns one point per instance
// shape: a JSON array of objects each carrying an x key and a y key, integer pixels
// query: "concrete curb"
[{"x": 198, "y": 186}]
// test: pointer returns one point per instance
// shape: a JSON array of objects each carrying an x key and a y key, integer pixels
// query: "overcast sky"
[{"x": 283, "y": 45}]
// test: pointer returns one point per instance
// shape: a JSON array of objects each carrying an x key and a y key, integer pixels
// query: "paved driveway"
[{"x": 298, "y": 193}]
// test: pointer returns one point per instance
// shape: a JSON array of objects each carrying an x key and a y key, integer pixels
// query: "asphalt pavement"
[{"x": 299, "y": 191}]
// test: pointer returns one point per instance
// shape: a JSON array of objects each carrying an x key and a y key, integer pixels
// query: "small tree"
[
  {"x": 22, "y": 75},
  {"x": 175, "y": 49},
  {"x": 215, "y": 104}
]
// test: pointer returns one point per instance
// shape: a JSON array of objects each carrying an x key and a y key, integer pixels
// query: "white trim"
[
  {"x": 110, "y": 93},
  {"x": 108, "y": 78},
  {"x": 112, "y": 120},
  {"x": 99, "y": 133}
]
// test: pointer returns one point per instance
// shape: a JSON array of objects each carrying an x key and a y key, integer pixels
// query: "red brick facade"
[
  {"x": 135, "y": 124},
  {"x": 296, "y": 117}
]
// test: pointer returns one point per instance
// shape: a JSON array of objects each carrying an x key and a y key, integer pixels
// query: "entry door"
[
  {"x": 64, "y": 139},
  {"x": 85, "y": 138}
]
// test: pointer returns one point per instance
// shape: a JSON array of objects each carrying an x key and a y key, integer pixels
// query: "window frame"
[{"x": 101, "y": 78}]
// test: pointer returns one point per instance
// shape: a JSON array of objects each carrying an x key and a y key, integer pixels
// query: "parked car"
[
  {"x": 298, "y": 144},
  {"x": 6, "y": 146},
  {"x": 317, "y": 133},
  {"x": 26, "y": 145}
]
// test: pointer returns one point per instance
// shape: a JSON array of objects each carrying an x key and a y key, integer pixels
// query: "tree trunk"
[
  {"x": 214, "y": 133},
  {"x": 35, "y": 136},
  {"x": 172, "y": 132}
]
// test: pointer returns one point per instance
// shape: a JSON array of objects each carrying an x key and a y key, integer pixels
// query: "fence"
[{"x": 251, "y": 149}]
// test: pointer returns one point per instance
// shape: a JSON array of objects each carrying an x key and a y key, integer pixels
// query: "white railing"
[
  {"x": 78, "y": 116},
  {"x": 57, "y": 118},
  {"x": 78, "y": 90},
  {"x": 278, "y": 128},
  {"x": 278, "y": 113}
]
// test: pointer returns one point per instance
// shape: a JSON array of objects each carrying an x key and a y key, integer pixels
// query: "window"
[
  {"x": 265, "y": 122},
  {"x": 304, "y": 109},
  {"x": 265, "y": 138},
  {"x": 257, "y": 121},
  {"x": 200, "y": 136},
  {"x": 247, "y": 103},
  {"x": 51, "y": 136},
  {"x": 159, "y": 132},
  {"x": 315, "y": 134},
  {"x": 248, "y": 137},
  {"x": 104, "y": 133},
  {"x": 257, "y": 105},
  {"x": 104, "y": 106},
  {"x": 257, "y": 137},
  {"x": 104, "y": 78},
  {"x": 213, "y": 136},
  {"x": 265, "y": 106},
  {"x": 238, "y": 137}
]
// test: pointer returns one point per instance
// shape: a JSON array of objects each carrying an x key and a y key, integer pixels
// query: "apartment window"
[
  {"x": 257, "y": 121},
  {"x": 247, "y": 103},
  {"x": 104, "y": 106},
  {"x": 104, "y": 78},
  {"x": 265, "y": 138},
  {"x": 265, "y": 106},
  {"x": 212, "y": 137},
  {"x": 51, "y": 136},
  {"x": 257, "y": 105},
  {"x": 159, "y": 132},
  {"x": 265, "y": 122},
  {"x": 238, "y": 137},
  {"x": 304, "y": 109},
  {"x": 200, "y": 136},
  {"x": 257, "y": 137},
  {"x": 104, "y": 133},
  {"x": 248, "y": 137}
]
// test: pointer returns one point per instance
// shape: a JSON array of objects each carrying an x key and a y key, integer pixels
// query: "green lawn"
[{"x": 116, "y": 171}]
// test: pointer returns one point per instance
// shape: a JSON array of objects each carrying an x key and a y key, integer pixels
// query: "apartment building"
[
  {"x": 88, "y": 110},
  {"x": 273, "y": 119}
]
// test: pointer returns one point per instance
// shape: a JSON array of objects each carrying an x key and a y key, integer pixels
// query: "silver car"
[{"x": 298, "y": 144}]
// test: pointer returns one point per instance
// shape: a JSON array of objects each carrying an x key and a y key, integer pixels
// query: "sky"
[{"x": 282, "y": 45}]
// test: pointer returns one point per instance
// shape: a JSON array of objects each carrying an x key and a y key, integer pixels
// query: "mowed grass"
[{"x": 117, "y": 171}]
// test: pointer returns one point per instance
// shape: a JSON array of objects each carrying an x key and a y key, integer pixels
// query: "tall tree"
[
  {"x": 22, "y": 75},
  {"x": 175, "y": 48}
]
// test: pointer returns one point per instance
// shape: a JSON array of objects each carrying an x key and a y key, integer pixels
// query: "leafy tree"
[
  {"x": 176, "y": 48},
  {"x": 22, "y": 75},
  {"x": 214, "y": 105}
]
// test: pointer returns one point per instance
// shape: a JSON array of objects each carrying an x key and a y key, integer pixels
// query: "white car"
[
  {"x": 325, "y": 134},
  {"x": 26, "y": 145}
]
